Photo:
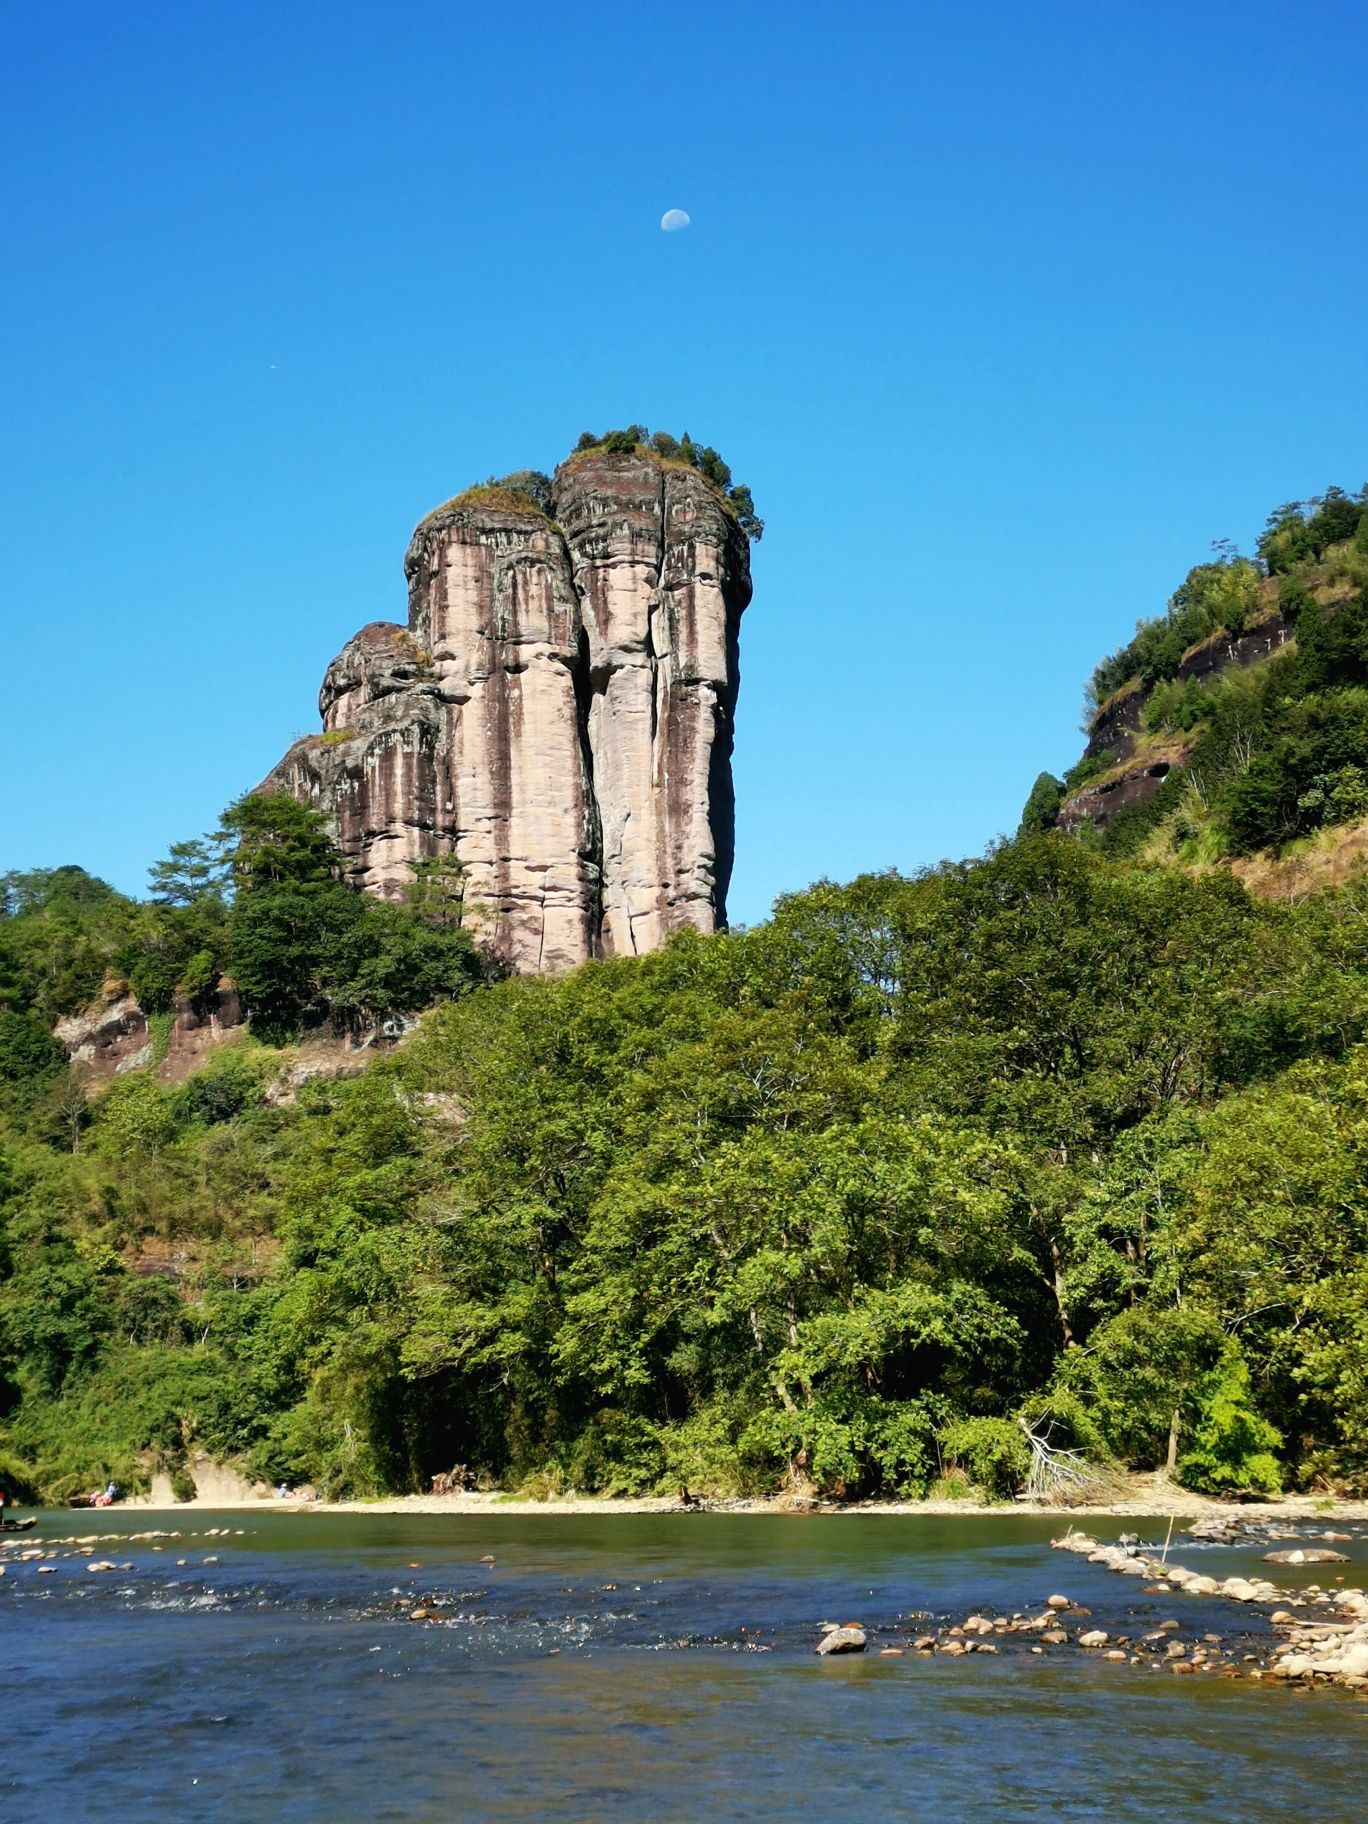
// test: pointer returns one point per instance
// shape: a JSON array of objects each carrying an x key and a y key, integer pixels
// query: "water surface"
[{"x": 621, "y": 1666}]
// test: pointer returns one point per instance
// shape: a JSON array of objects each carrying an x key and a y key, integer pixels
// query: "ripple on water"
[{"x": 602, "y": 1670}]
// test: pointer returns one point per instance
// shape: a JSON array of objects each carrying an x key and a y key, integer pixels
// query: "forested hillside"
[
  {"x": 1237, "y": 721},
  {"x": 829, "y": 1202}
]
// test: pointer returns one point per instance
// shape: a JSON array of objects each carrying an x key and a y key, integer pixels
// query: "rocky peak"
[{"x": 556, "y": 715}]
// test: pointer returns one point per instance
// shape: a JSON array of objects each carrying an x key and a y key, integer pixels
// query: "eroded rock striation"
[{"x": 557, "y": 715}]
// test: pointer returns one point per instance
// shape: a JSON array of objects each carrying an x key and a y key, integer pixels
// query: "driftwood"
[
  {"x": 1061, "y": 1477},
  {"x": 453, "y": 1480}
]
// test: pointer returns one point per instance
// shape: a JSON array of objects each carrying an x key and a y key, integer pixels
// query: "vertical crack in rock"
[
  {"x": 558, "y": 713},
  {"x": 592, "y": 828}
]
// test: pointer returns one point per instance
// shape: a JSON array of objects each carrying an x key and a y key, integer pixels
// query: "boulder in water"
[
  {"x": 848, "y": 1638},
  {"x": 1306, "y": 1555}
]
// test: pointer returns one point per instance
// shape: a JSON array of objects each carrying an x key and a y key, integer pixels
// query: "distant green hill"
[{"x": 1236, "y": 722}]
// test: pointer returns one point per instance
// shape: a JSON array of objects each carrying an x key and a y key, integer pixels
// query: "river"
[{"x": 623, "y": 1666}]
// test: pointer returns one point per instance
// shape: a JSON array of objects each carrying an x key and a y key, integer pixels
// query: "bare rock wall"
[{"x": 557, "y": 715}]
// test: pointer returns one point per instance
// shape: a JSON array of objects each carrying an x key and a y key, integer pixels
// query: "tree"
[
  {"x": 281, "y": 935},
  {"x": 437, "y": 892},
  {"x": 1041, "y": 810},
  {"x": 1144, "y": 1375},
  {"x": 388, "y": 961},
  {"x": 1261, "y": 808},
  {"x": 30, "y": 1058},
  {"x": 192, "y": 871},
  {"x": 1231, "y": 1448},
  {"x": 279, "y": 842}
]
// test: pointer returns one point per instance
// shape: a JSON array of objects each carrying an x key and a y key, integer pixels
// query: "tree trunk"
[{"x": 1058, "y": 1287}]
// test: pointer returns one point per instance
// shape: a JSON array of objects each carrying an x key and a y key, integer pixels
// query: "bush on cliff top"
[{"x": 697, "y": 456}]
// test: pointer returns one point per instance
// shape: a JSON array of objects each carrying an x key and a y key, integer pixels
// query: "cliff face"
[
  {"x": 1139, "y": 763},
  {"x": 557, "y": 715}
]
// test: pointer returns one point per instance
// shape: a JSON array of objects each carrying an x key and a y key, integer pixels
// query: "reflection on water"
[{"x": 615, "y": 1666}]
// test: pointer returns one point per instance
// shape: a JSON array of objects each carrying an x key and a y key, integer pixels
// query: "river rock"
[
  {"x": 1306, "y": 1555},
  {"x": 1095, "y": 1637},
  {"x": 850, "y": 1638},
  {"x": 1219, "y": 1529},
  {"x": 1240, "y": 1589}
]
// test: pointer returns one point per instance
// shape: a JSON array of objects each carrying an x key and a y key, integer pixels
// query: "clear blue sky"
[{"x": 1004, "y": 311}]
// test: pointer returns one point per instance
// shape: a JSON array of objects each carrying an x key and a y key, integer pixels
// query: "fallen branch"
[{"x": 1061, "y": 1477}]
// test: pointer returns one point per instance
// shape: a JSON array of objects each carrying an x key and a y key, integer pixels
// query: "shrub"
[
  {"x": 1231, "y": 1451},
  {"x": 30, "y": 1058},
  {"x": 1041, "y": 810},
  {"x": 993, "y": 1453}
]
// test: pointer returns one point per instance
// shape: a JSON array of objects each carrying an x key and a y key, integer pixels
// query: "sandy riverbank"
[{"x": 1142, "y": 1496}]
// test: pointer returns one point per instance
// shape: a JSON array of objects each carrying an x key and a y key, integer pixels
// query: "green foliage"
[
  {"x": 199, "y": 980},
  {"x": 1304, "y": 529},
  {"x": 1041, "y": 810},
  {"x": 304, "y": 948},
  {"x": 992, "y": 1453},
  {"x": 1216, "y": 597},
  {"x": 1177, "y": 706},
  {"x": 823, "y": 1204},
  {"x": 698, "y": 456},
  {"x": 1232, "y": 1448},
  {"x": 192, "y": 871},
  {"x": 1279, "y": 747},
  {"x": 1143, "y": 1375},
  {"x": 278, "y": 843},
  {"x": 60, "y": 930},
  {"x": 1310, "y": 772},
  {"x": 30, "y": 1058},
  {"x": 1091, "y": 766}
]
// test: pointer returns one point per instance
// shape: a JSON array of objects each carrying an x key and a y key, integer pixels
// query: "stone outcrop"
[
  {"x": 556, "y": 716},
  {"x": 1139, "y": 764},
  {"x": 112, "y": 1035}
]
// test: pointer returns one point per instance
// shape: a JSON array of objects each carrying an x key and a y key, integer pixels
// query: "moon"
[{"x": 673, "y": 220}]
